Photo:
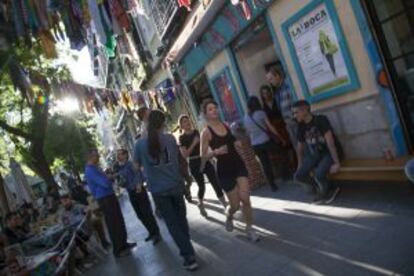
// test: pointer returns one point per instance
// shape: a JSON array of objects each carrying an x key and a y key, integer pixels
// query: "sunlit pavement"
[{"x": 368, "y": 230}]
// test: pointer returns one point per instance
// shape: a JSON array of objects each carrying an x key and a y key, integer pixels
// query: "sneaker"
[
  {"x": 123, "y": 253},
  {"x": 190, "y": 264},
  {"x": 332, "y": 195},
  {"x": 130, "y": 245},
  {"x": 203, "y": 211},
  {"x": 251, "y": 235},
  {"x": 229, "y": 221}
]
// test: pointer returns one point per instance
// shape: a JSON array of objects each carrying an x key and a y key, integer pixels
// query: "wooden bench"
[{"x": 372, "y": 170}]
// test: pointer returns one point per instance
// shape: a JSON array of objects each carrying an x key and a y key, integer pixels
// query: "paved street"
[{"x": 368, "y": 230}]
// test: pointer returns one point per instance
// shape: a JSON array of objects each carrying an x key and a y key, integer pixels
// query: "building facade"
[{"x": 352, "y": 60}]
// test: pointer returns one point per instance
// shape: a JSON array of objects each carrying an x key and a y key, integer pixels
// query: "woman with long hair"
[
  {"x": 231, "y": 169},
  {"x": 159, "y": 155},
  {"x": 263, "y": 136},
  {"x": 189, "y": 142},
  {"x": 287, "y": 154}
]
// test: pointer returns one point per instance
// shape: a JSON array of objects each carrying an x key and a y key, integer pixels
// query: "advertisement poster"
[
  {"x": 318, "y": 51},
  {"x": 223, "y": 87}
]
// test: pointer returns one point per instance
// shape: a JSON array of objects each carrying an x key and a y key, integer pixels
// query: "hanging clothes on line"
[{"x": 185, "y": 3}]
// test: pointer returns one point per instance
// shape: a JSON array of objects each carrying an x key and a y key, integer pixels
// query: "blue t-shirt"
[
  {"x": 99, "y": 184},
  {"x": 132, "y": 176},
  {"x": 257, "y": 134},
  {"x": 163, "y": 174}
]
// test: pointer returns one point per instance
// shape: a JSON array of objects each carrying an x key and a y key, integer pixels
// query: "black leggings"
[{"x": 199, "y": 178}]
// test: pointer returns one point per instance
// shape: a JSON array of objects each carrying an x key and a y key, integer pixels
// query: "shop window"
[{"x": 393, "y": 23}]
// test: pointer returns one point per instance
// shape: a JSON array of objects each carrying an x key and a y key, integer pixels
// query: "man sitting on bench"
[{"x": 318, "y": 152}]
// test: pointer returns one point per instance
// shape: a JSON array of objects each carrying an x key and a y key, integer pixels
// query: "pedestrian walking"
[
  {"x": 159, "y": 155},
  {"x": 189, "y": 142},
  {"x": 319, "y": 151},
  {"x": 264, "y": 138},
  {"x": 231, "y": 170},
  {"x": 133, "y": 182},
  {"x": 100, "y": 186}
]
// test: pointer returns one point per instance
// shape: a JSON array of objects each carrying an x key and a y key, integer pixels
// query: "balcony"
[{"x": 163, "y": 13}]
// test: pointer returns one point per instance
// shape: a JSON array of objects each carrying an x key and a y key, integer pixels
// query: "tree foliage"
[{"x": 68, "y": 141}]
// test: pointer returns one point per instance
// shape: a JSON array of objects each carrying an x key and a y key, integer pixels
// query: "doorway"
[
  {"x": 200, "y": 90},
  {"x": 254, "y": 52},
  {"x": 393, "y": 25}
]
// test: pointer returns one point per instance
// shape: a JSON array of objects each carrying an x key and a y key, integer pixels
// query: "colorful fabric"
[{"x": 185, "y": 3}]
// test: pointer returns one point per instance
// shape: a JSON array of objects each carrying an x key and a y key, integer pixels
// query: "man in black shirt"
[{"x": 318, "y": 151}]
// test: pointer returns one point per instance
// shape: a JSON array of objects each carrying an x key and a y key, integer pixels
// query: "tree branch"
[{"x": 15, "y": 131}]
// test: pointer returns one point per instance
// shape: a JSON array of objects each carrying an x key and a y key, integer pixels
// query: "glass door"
[{"x": 393, "y": 25}]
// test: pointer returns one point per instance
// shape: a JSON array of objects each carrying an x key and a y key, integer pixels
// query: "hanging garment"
[
  {"x": 245, "y": 9},
  {"x": 119, "y": 14},
  {"x": 185, "y": 3},
  {"x": 48, "y": 44},
  {"x": 41, "y": 13},
  {"x": 18, "y": 18}
]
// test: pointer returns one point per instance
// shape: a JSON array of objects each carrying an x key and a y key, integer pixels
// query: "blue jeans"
[
  {"x": 172, "y": 208},
  {"x": 409, "y": 170},
  {"x": 320, "y": 165}
]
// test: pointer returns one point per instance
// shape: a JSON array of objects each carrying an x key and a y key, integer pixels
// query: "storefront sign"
[{"x": 319, "y": 51}]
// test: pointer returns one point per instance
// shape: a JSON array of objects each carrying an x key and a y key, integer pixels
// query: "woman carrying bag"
[{"x": 264, "y": 137}]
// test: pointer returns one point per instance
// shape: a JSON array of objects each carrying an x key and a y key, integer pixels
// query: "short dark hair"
[
  {"x": 181, "y": 118},
  {"x": 275, "y": 71},
  {"x": 253, "y": 104},
  {"x": 207, "y": 102},
  {"x": 141, "y": 112},
  {"x": 123, "y": 151},
  {"x": 301, "y": 103}
]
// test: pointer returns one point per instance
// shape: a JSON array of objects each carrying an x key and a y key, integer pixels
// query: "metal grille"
[{"x": 162, "y": 12}]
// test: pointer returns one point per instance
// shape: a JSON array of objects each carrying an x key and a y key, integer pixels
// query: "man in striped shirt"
[{"x": 284, "y": 101}]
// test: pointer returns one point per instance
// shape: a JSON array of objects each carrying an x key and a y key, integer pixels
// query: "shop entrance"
[
  {"x": 393, "y": 26},
  {"x": 200, "y": 90},
  {"x": 254, "y": 53}
]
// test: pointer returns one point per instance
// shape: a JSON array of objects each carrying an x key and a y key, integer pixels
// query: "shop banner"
[{"x": 319, "y": 51}]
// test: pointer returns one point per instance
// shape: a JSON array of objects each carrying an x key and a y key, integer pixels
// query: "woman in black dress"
[
  {"x": 190, "y": 148},
  {"x": 231, "y": 170}
]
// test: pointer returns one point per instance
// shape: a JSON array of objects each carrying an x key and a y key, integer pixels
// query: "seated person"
[
  {"x": 409, "y": 170},
  {"x": 73, "y": 213},
  {"x": 318, "y": 151},
  {"x": 14, "y": 232}
]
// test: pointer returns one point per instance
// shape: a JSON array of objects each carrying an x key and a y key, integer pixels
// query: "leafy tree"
[
  {"x": 68, "y": 140},
  {"x": 25, "y": 86}
]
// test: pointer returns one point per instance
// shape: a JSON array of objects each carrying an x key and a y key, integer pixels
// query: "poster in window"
[
  {"x": 223, "y": 87},
  {"x": 319, "y": 50}
]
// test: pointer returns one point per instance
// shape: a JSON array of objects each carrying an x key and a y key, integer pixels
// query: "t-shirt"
[
  {"x": 163, "y": 173},
  {"x": 257, "y": 134},
  {"x": 313, "y": 134},
  {"x": 73, "y": 215},
  {"x": 187, "y": 139}
]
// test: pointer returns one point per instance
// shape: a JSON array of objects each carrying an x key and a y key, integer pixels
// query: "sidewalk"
[{"x": 368, "y": 230}]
